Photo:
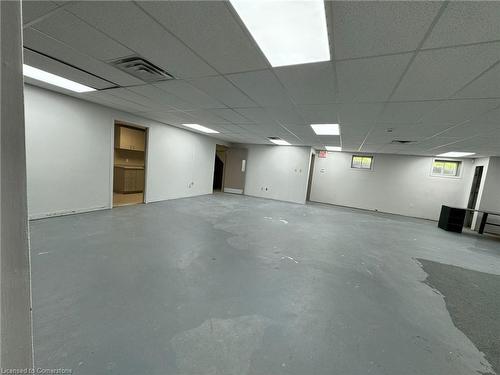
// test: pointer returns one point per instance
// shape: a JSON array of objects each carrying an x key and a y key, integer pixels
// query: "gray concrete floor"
[{"x": 236, "y": 285}]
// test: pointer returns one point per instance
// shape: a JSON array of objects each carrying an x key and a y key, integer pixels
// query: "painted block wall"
[
  {"x": 397, "y": 184},
  {"x": 15, "y": 303},
  {"x": 283, "y": 170},
  {"x": 69, "y": 148}
]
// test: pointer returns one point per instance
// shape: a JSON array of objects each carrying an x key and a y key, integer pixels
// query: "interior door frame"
[
  {"x": 310, "y": 177},
  {"x": 112, "y": 158},
  {"x": 476, "y": 185},
  {"x": 223, "y": 165}
]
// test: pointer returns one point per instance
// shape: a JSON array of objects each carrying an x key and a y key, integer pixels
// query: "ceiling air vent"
[
  {"x": 142, "y": 69},
  {"x": 401, "y": 141}
]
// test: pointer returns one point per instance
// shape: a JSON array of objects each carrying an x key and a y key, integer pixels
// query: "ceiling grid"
[{"x": 428, "y": 71}]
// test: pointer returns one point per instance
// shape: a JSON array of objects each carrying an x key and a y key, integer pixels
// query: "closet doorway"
[{"x": 129, "y": 164}]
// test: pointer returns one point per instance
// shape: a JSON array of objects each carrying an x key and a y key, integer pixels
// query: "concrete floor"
[
  {"x": 228, "y": 284},
  {"x": 127, "y": 199},
  {"x": 473, "y": 300}
]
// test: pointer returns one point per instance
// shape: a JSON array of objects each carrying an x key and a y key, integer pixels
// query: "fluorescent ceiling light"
[
  {"x": 333, "y": 148},
  {"x": 287, "y": 32},
  {"x": 201, "y": 128},
  {"x": 326, "y": 129},
  {"x": 41, "y": 75},
  {"x": 456, "y": 154},
  {"x": 280, "y": 142}
]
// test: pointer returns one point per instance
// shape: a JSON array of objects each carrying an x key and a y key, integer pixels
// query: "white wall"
[
  {"x": 397, "y": 184},
  {"x": 283, "y": 170},
  {"x": 70, "y": 156},
  {"x": 15, "y": 302},
  {"x": 176, "y": 160}
]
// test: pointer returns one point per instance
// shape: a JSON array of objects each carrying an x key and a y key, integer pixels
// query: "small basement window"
[
  {"x": 446, "y": 168},
  {"x": 362, "y": 162}
]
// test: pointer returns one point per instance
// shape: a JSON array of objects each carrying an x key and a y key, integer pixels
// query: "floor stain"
[{"x": 473, "y": 301}]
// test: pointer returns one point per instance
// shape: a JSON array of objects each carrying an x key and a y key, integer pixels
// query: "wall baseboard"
[
  {"x": 233, "y": 191},
  {"x": 275, "y": 199},
  {"x": 375, "y": 211},
  {"x": 66, "y": 213}
]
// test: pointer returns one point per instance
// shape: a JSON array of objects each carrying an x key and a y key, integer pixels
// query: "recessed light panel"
[
  {"x": 326, "y": 129},
  {"x": 456, "y": 154},
  {"x": 200, "y": 128},
  {"x": 41, "y": 75},
  {"x": 333, "y": 148},
  {"x": 279, "y": 141},
  {"x": 287, "y": 32}
]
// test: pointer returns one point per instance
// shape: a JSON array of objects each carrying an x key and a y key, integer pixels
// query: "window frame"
[
  {"x": 372, "y": 157},
  {"x": 441, "y": 175}
]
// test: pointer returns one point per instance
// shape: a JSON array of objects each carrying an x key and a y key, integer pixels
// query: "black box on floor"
[{"x": 451, "y": 219}]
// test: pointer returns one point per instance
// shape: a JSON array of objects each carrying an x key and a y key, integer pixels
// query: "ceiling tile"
[
  {"x": 173, "y": 118},
  {"x": 262, "y": 87},
  {"x": 381, "y": 135},
  {"x": 209, "y": 28},
  {"x": 437, "y": 74},
  {"x": 412, "y": 130},
  {"x": 126, "y": 23},
  {"x": 230, "y": 115},
  {"x": 356, "y": 131},
  {"x": 38, "y": 41},
  {"x": 309, "y": 83},
  {"x": 110, "y": 102},
  {"x": 367, "y": 28},
  {"x": 362, "y": 113},
  {"x": 407, "y": 112},
  {"x": 454, "y": 111},
  {"x": 285, "y": 116},
  {"x": 370, "y": 79},
  {"x": 189, "y": 93},
  {"x": 466, "y": 22},
  {"x": 126, "y": 94},
  {"x": 430, "y": 143},
  {"x": 117, "y": 101},
  {"x": 53, "y": 66},
  {"x": 161, "y": 98},
  {"x": 319, "y": 113},
  {"x": 491, "y": 117},
  {"x": 470, "y": 129},
  {"x": 257, "y": 114},
  {"x": 224, "y": 91},
  {"x": 206, "y": 117},
  {"x": 486, "y": 86},
  {"x": 69, "y": 29},
  {"x": 35, "y": 9}
]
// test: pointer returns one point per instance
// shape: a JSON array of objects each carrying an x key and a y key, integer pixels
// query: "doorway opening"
[
  {"x": 129, "y": 164},
  {"x": 220, "y": 161},
  {"x": 474, "y": 192},
  {"x": 309, "y": 182}
]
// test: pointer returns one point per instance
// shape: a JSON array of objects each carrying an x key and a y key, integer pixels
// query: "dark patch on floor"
[{"x": 473, "y": 301}]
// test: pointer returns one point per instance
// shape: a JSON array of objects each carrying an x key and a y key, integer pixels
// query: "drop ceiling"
[{"x": 428, "y": 72}]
